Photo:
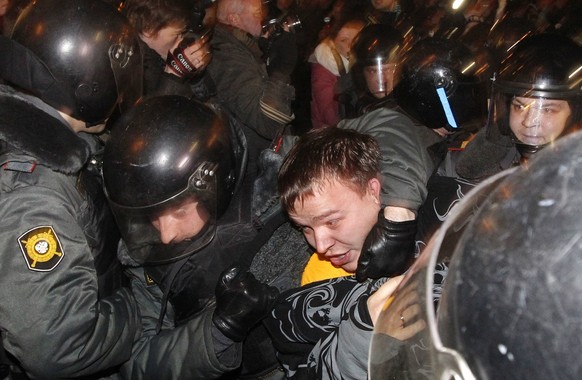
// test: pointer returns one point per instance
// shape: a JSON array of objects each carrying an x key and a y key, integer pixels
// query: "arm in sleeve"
[
  {"x": 312, "y": 332},
  {"x": 52, "y": 321},
  {"x": 406, "y": 164},
  {"x": 325, "y": 109},
  {"x": 344, "y": 353},
  {"x": 188, "y": 351},
  {"x": 243, "y": 87}
]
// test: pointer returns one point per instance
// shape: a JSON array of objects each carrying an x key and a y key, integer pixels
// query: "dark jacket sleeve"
[
  {"x": 244, "y": 87},
  {"x": 52, "y": 320},
  {"x": 406, "y": 162},
  {"x": 184, "y": 352}
]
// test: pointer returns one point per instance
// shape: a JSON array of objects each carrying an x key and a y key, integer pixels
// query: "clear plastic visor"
[
  {"x": 127, "y": 65},
  {"x": 380, "y": 77},
  {"x": 537, "y": 121},
  {"x": 170, "y": 230},
  {"x": 406, "y": 343}
]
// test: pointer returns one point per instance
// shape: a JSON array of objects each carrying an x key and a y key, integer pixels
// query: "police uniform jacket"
[{"x": 63, "y": 311}]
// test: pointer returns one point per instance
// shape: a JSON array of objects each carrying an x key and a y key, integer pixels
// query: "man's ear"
[
  {"x": 374, "y": 188},
  {"x": 233, "y": 19}
]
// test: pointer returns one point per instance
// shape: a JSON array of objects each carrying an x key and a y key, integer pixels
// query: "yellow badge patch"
[
  {"x": 41, "y": 248},
  {"x": 149, "y": 280}
]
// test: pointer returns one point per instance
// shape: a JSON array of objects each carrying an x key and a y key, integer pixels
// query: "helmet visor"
[
  {"x": 530, "y": 119},
  {"x": 380, "y": 77},
  {"x": 172, "y": 229},
  {"x": 407, "y": 343},
  {"x": 127, "y": 65}
]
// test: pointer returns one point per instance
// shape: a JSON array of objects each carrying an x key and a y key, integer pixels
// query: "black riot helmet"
[
  {"x": 442, "y": 84},
  {"x": 80, "y": 56},
  {"x": 163, "y": 153},
  {"x": 510, "y": 307},
  {"x": 377, "y": 49},
  {"x": 543, "y": 72},
  {"x": 505, "y": 34}
]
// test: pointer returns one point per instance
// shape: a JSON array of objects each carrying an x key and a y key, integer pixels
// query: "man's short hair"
[
  {"x": 323, "y": 155},
  {"x": 151, "y": 16},
  {"x": 226, "y": 7}
]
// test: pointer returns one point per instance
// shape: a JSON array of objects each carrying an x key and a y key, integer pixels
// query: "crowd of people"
[{"x": 250, "y": 189}]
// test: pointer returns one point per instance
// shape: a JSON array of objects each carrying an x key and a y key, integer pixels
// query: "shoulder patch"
[
  {"x": 149, "y": 279},
  {"x": 41, "y": 248}
]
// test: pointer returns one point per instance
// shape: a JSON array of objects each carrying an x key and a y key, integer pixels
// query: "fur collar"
[{"x": 30, "y": 126}]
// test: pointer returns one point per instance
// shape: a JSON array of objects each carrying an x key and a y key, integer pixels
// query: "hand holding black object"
[
  {"x": 388, "y": 250},
  {"x": 282, "y": 56},
  {"x": 241, "y": 302}
]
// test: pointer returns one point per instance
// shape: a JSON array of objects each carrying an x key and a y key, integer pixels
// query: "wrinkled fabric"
[
  {"x": 243, "y": 86},
  {"x": 65, "y": 314}
]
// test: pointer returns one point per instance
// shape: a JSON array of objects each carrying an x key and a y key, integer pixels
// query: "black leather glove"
[
  {"x": 282, "y": 56},
  {"x": 388, "y": 250},
  {"x": 241, "y": 302}
]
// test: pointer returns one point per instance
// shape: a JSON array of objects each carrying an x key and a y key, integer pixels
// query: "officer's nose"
[
  {"x": 531, "y": 118},
  {"x": 167, "y": 228}
]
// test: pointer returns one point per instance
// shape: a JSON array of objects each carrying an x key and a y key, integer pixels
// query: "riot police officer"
[
  {"x": 64, "y": 312},
  {"x": 180, "y": 181},
  {"x": 511, "y": 296},
  {"x": 377, "y": 50},
  {"x": 536, "y": 99}
]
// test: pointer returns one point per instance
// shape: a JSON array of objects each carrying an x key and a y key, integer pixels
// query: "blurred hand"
[
  {"x": 186, "y": 61},
  {"x": 282, "y": 56},
  {"x": 403, "y": 319}
]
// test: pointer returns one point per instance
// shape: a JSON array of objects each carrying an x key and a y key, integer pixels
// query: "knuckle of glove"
[
  {"x": 388, "y": 249},
  {"x": 237, "y": 313}
]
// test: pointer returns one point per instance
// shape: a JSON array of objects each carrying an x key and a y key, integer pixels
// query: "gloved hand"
[
  {"x": 282, "y": 56},
  {"x": 241, "y": 302},
  {"x": 388, "y": 249}
]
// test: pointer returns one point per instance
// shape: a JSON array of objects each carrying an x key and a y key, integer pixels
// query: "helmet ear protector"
[
  {"x": 440, "y": 84},
  {"x": 74, "y": 60}
]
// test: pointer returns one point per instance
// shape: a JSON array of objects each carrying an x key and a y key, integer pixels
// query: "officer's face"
[
  {"x": 380, "y": 79},
  {"x": 181, "y": 222},
  {"x": 537, "y": 121},
  {"x": 383, "y": 5},
  {"x": 336, "y": 220}
]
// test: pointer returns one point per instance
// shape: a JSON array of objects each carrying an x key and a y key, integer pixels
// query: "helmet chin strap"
[{"x": 526, "y": 151}]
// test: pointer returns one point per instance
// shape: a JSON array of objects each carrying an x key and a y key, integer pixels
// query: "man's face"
[
  {"x": 336, "y": 220},
  {"x": 537, "y": 121},
  {"x": 251, "y": 20},
  {"x": 380, "y": 79},
  {"x": 181, "y": 222},
  {"x": 481, "y": 8},
  {"x": 383, "y": 5},
  {"x": 165, "y": 39}
]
